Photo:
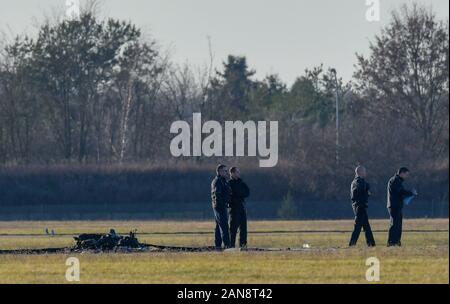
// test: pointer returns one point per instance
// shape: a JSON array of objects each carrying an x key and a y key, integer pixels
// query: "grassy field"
[{"x": 424, "y": 257}]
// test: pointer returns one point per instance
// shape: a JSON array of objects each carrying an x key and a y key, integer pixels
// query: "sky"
[{"x": 277, "y": 36}]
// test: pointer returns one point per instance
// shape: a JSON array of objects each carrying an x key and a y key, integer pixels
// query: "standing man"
[
  {"x": 360, "y": 192},
  {"x": 396, "y": 194},
  {"x": 221, "y": 195},
  {"x": 238, "y": 212}
]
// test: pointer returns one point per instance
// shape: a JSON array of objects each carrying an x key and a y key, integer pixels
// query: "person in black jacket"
[
  {"x": 221, "y": 196},
  {"x": 238, "y": 212},
  {"x": 396, "y": 194},
  {"x": 360, "y": 192}
]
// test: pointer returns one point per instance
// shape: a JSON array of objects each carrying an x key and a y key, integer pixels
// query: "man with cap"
[
  {"x": 360, "y": 192},
  {"x": 221, "y": 196}
]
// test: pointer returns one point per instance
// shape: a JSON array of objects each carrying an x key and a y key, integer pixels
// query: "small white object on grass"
[
  {"x": 306, "y": 246},
  {"x": 232, "y": 250}
]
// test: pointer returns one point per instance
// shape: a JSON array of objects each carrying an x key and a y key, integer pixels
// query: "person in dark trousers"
[
  {"x": 238, "y": 212},
  {"x": 360, "y": 192},
  {"x": 221, "y": 196},
  {"x": 396, "y": 193}
]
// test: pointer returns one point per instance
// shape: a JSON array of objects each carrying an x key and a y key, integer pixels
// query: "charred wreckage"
[
  {"x": 112, "y": 242},
  {"x": 107, "y": 243}
]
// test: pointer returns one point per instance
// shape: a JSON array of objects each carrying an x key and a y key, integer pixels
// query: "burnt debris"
[
  {"x": 112, "y": 242},
  {"x": 107, "y": 242}
]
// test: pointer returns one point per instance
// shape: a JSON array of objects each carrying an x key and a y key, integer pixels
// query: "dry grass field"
[{"x": 424, "y": 257}]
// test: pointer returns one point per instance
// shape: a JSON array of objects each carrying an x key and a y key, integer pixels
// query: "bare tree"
[{"x": 407, "y": 72}]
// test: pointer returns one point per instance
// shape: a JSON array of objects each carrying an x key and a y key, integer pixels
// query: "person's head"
[
  {"x": 361, "y": 171},
  {"x": 221, "y": 170},
  {"x": 403, "y": 172},
  {"x": 235, "y": 173}
]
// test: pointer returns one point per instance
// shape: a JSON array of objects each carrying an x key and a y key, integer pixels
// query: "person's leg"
[
  {"x": 357, "y": 226},
  {"x": 234, "y": 225},
  {"x": 224, "y": 229},
  {"x": 368, "y": 230},
  {"x": 243, "y": 228},
  {"x": 400, "y": 228},
  {"x": 392, "y": 229},
  {"x": 396, "y": 223},
  {"x": 217, "y": 233}
]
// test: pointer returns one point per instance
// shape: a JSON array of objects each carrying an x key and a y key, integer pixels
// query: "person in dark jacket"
[
  {"x": 220, "y": 196},
  {"x": 360, "y": 192},
  {"x": 238, "y": 212},
  {"x": 396, "y": 193}
]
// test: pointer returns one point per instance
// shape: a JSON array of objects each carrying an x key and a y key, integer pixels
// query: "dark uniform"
[
  {"x": 396, "y": 195},
  {"x": 360, "y": 198},
  {"x": 238, "y": 212},
  {"x": 221, "y": 195}
]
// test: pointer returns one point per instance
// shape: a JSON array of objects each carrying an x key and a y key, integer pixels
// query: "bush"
[{"x": 288, "y": 209}]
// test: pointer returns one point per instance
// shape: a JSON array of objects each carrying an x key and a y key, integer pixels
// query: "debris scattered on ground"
[
  {"x": 112, "y": 242},
  {"x": 107, "y": 242}
]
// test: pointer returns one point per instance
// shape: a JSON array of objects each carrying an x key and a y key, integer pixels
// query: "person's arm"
[
  {"x": 401, "y": 191},
  {"x": 245, "y": 190},
  {"x": 218, "y": 192},
  {"x": 228, "y": 193},
  {"x": 356, "y": 192},
  {"x": 368, "y": 189},
  {"x": 224, "y": 195}
]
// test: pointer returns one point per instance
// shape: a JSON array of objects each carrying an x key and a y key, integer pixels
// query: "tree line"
[{"x": 96, "y": 91}]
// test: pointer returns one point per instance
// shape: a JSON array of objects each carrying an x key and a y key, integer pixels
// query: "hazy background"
[{"x": 283, "y": 37}]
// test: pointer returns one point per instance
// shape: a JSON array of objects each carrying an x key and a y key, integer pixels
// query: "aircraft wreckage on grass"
[{"x": 114, "y": 243}]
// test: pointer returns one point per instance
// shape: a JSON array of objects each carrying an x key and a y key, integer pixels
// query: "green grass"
[{"x": 424, "y": 257}]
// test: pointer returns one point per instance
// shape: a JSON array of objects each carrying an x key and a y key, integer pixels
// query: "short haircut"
[
  {"x": 402, "y": 170},
  {"x": 233, "y": 169},
  {"x": 359, "y": 169},
  {"x": 220, "y": 167}
]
